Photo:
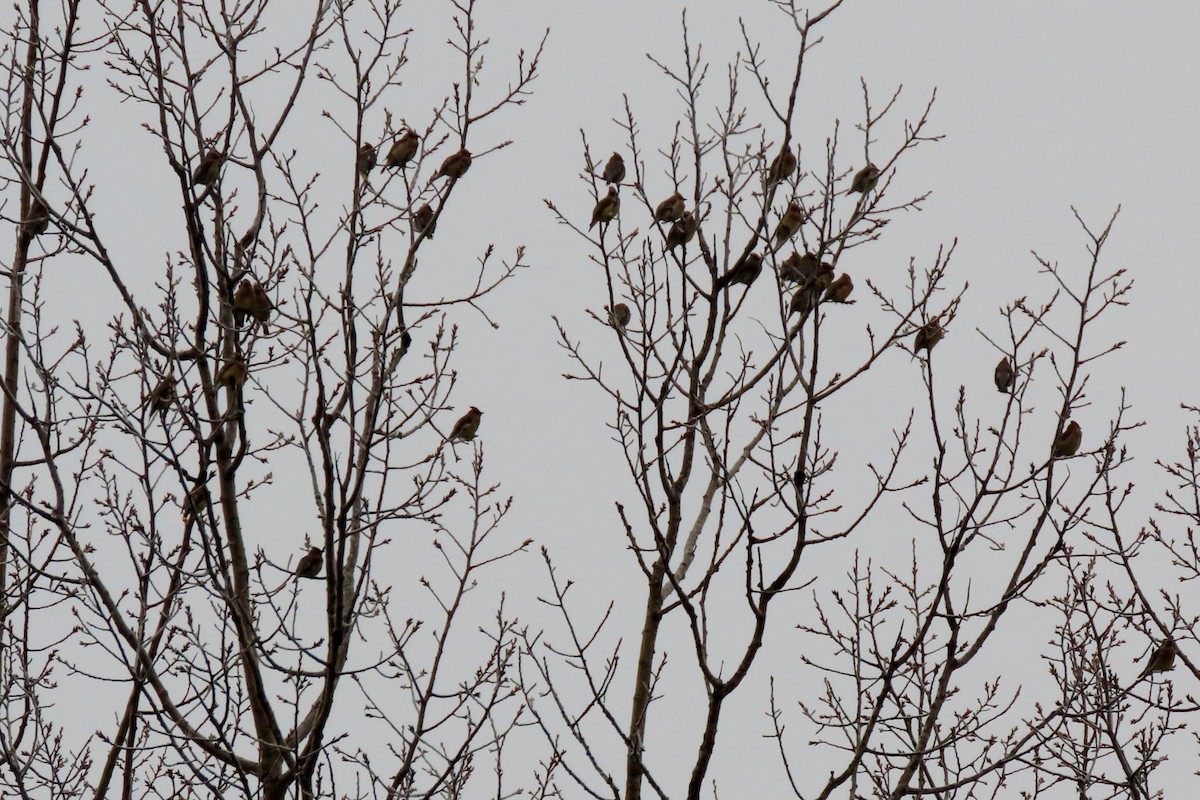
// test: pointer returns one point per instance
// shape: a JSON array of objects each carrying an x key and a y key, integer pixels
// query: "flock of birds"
[{"x": 815, "y": 280}]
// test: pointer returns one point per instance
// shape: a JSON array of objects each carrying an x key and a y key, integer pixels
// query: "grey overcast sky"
[{"x": 1043, "y": 105}]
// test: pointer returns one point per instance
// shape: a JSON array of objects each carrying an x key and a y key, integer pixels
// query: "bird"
[
  {"x": 262, "y": 306},
  {"x": 196, "y": 502},
  {"x": 37, "y": 221},
  {"x": 162, "y": 395},
  {"x": 607, "y": 208},
  {"x": 309, "y": 565},
  {"x": 232, "y": 374},
  {"x": 682, "y": 230},
  {"x": 802, "y": 301},
  {"x": 928, "y": 335},
  {"x": 1162, "y": 659},
  {"x": 798, "y": 268},
  {"x": 614, "y": 170},
  {"x": 864, "y": 180},
  {"x": 782, "y": 167},
  {"x": 745, "y": 271},
  {"x": 1067, "y": 443},
  {"x": 423, "y": 222},
  {"x": 402, "y": 150},
  {"x": 789, "y": 223},
  {"x": 1004, "y": 375},
  {"x": 243, "y": 301},
  {"x": 619, "y": 316},
  {"x": 466, "y": 427},
  {"x": 455, "y": 166},
  {"x": 840, "y": 289},
  {"x": 822, "y": 279},
  {"x": 366, "y": 159},
  {"x": 670, "y": 209},
  {"x": 209, "y": 168}
]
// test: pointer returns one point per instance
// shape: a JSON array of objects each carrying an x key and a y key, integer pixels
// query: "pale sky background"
[{"x": 1043, "y": 105}]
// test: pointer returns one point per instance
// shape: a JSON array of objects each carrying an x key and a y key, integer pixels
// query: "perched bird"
[
  {"x": 162, "y": 395},
  {"x": 745, "y": 271},
  {"x": 840, "y": 289},
  {"x": 455, "y": 166},
  {"x": 423, "y": 222},
  {"x": 197, "y": 501},
  {"x": 309, "y": 565},
  {"x": 614, "y": 170},
  {"x": 682, "y": 230},
  {"x": 607, "y": 208},
  {"x": 402, "y": 150},
  {"x": 466, "y": 427},
  {"x": 1067, "y": 443},
  {"x": 670, "y": 209},
  {"x": 232, "y": 374},
  {"x": 782, "y": 167},
  {"x": 366, "y": 159},
  {"x": 619, "y": 316},
  {"x": 789, "y": 223},
  {"x": 803, "y": 301},
  {"x": 928, "y": 335},
  {"x": 243, "y": 301},
  {"x": 1004, "y": 375},
  {"x": 262, "y": 306},
  {"x": 864, "y": 180},
  {"x": 798, "y": 268},
  {"x": 209, "y": 168},
  {"x": 1162, "y": 659},
  {"x": 822, "y": 279},
  {"x": 37, "y": 221}
]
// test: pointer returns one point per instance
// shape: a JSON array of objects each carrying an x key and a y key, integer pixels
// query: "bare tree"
[
  {"x": 957, "y": 611},
  {"x": 281, "y": 339},
  {"x": 736, "y": 331}
]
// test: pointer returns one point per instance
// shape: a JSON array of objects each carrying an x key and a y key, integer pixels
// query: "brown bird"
[
  {"x": 37, "y": 221},
  {"x": 310, "y": 565},
  {"x": 209, "y": 168},
  {"x": 928, "y": 335},
  {"x": 366, "y": 159},
  {"x": 455, "y": 166},
  {"x": 1004, "y": 376},
  {"x": 670, "y": 209},
  {"x": 197, "y": 501},
  {"x": 840, "y": 289},
  {"x": 782, "y": 167},
  {"x": 745, "y": 271},
  {"x": 1067, "y": 443},
  {"x": 162, "y": 395},
  {"x": 619, "y": 316},
  {"x": 864, "y": 180},
  {"x": 1162, "y": 659},
  {"x": 423, "y": 222},
  {"x": 466, "y": 427},
  {"x": 243, "y": 301},
  {"x": 822, "y": 279},
  {"x": 232, "y": 374},
  {"x": 798, "y": 268},
  {"x": 607, "y": 208},
  {"x": 789, "y": 223},
  {"x": 614, "y": 170},
  {"x": 803, "y": 301},
  {"x": 402, "y": 150},
  {"x": 682, "y": 230},
  {"x": 262, "y": 308}
]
